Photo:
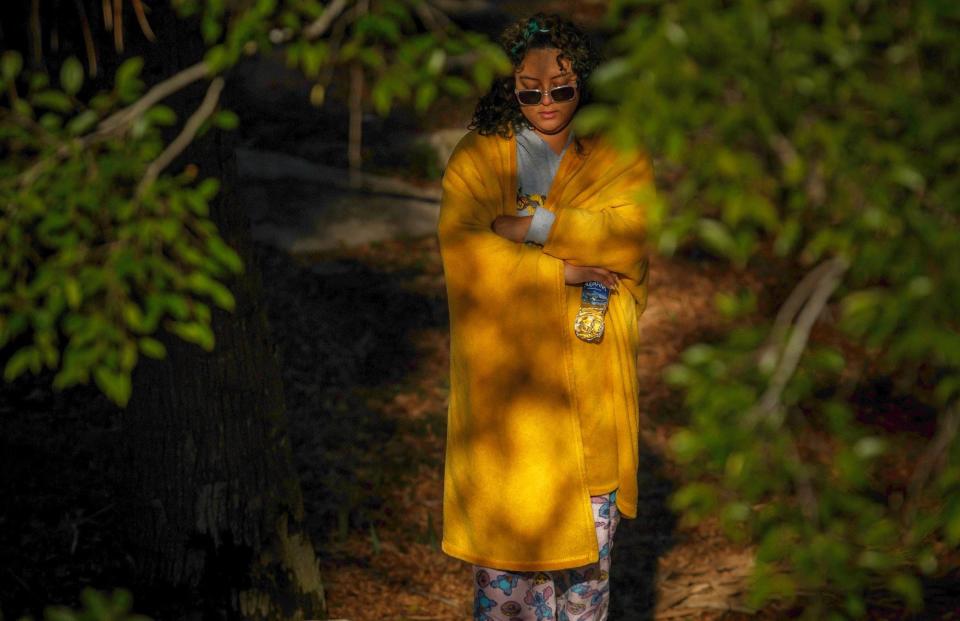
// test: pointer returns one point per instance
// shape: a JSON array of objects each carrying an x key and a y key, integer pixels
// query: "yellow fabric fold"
[{"x": 516, "y": 493}]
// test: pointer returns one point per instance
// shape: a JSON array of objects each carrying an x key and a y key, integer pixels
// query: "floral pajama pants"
[{"x": 579, "y": 594}]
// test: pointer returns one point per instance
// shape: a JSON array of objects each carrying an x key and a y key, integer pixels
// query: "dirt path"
[
  {"x": 387, "y": 564},
  {"x": 362, "y": 334}
]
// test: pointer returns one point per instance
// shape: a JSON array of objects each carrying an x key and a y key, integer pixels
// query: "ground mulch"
[
  {"x": 391, "y": 567},
  {"x": 362, "y": 337}
]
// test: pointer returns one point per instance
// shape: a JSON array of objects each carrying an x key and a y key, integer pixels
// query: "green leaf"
[
  {"x": 456, "y": 86},
  {"x": 71, "y": 290},
  {"x": 82, "y": 123},
  {"x": 945, "y": 390},
  {"x": 210, "y": 29},
  {"x": 51, "y": 122},
  {"x": 225, "y": 255},
  {"x": 95, "y": 603},
  {"x": 825, "y": 359},
  {"x": 199, "y": 282},
  {"x": 482, "y": 74},
  {"x": 128, "y": 356},
  {"x": 134, "y": 318},
  {"x": 53, "y": 100},
  {"x": 717, "y": 236},
  {"x": 161, "y": 115},
  {"x": 908, "y": 587},
  {"x": 382, "y": 97},
  {"x": 226, "y": 119},
  {"x": 425, "y": 95},
  {"x": 176, "y": 304},
  {"x": 193, "y": 332},
  {"x": 435, "y": 62},
  {"x": 909, "y": 178},
  {"x": 859, "y": 308},
  {"x": 371, "y": 57},
  {"x": 20, "y": 361},
  {"x": 38, "y": 80},
  {"x": 127, "y": 79},
  {"x": 208, "y": 188},
  {"x": 695, "y": 499},
  {"x": 686, "y": 445},
  {"x": 312, "y": 58},
  {"x": 152, "y": 348},
  {"x": 612, "y": 73},
  {"x": 114, "y": 385},
  {"x": 870, "y": 447},
  {"x": 787, "y": 237},
  {"x": 218, "y": 60},
  {"x": 777, "y": 543},
  {"x": 11, "y": 63},
  {"x": 23, "y": 108},
  {"x": 60, "y": 613},
  {"x": 71, "y": 75},
  {"x": 593, "y": 118},
  {"x": 678, "y": 375}
]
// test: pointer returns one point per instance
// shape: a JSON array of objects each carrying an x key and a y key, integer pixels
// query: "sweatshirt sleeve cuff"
[{"x": 540, "y": 226}]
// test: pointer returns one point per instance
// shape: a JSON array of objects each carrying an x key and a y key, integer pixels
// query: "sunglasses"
[{"x": 533, "y": 96}]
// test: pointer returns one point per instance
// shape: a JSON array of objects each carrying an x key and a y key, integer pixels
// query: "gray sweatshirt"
[{"x": 536, "y": 167}]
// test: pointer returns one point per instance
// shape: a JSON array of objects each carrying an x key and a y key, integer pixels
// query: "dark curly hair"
[{"x": 498, "y": 112}]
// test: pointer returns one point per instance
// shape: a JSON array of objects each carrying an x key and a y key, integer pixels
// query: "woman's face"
[{"x": 539, "y": 70}]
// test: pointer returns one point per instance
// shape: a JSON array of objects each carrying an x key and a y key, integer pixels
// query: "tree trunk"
[{"x": 212, "y": 502}]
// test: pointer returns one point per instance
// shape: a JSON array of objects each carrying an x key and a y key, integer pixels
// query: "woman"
[{"x": 542, "y": 434}]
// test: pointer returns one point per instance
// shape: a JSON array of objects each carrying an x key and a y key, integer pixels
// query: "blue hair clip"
[{"x": 533, "y": 27}]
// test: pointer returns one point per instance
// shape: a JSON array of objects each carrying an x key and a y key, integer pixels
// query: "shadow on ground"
[
  {"x": 640, "y": 542},
  {"x": 343, "y": 333}
]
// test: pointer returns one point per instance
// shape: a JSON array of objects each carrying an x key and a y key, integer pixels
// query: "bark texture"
[{"x": 212, "y": 502}]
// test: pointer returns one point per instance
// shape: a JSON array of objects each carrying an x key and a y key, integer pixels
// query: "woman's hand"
[
  {"x": 513, "y": 228},
  {"x": 577, "y": 274}
]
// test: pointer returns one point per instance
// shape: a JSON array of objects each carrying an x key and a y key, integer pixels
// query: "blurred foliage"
[
  {"x": 97, "y": 606},
  {"x": 410, "y": 48},
  {"x": 826, "y": 133},
  {"x": 89, "y": 272},
  {"x": 100, "y": 249}
]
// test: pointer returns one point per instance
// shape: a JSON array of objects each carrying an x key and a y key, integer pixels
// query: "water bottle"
[{"x": 588, "y": 326}]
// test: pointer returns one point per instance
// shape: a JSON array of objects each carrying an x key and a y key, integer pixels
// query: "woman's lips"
[{"x": 548, "y": 115}]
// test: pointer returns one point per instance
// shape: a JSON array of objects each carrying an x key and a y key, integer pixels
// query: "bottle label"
[
  {"x": 588, "y": 324},
  {"x": 595, "y": 294}
]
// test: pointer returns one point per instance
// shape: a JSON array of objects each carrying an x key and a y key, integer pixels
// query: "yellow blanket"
[{"x": 515, "y": 492}]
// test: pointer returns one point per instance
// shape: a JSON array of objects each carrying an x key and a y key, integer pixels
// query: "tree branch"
[
  {"x": 320, "y": 25},
  {"x": 809, "y": 504},
  {"x": 433, "y": 18},
  {"x": 946, "y": 433},
  {"x": 119, "y": 121},
  {"x": 822, "y": 287},
  {"x": 189, "y": 131},
  {"x": 789, "y": 309},
  {"x": 125, "y": 117}
]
